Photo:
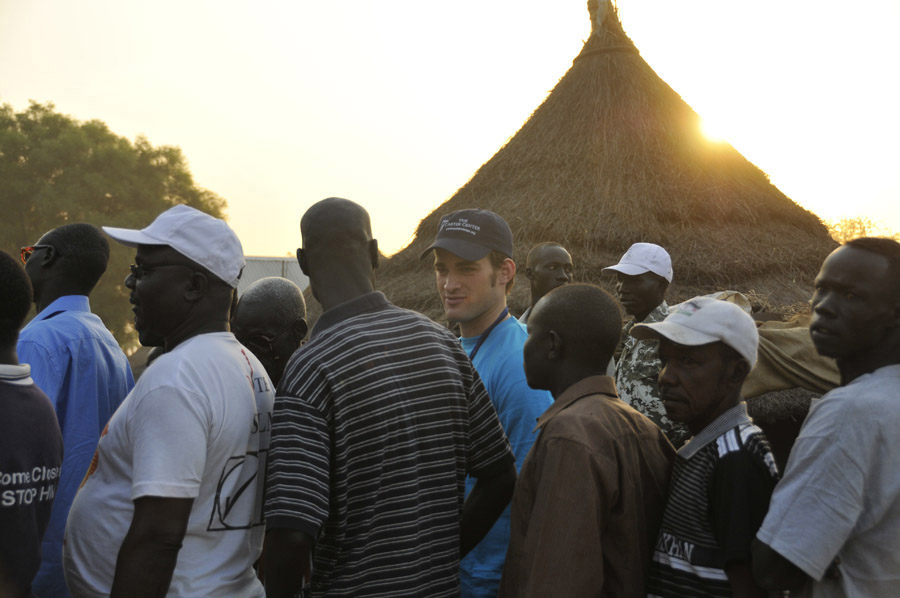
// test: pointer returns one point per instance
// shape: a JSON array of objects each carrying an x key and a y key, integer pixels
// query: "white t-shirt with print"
[{"x": 195, "y": 426}]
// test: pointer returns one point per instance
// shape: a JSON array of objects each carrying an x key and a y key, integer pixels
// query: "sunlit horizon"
[{"x": 396, "y": 105}]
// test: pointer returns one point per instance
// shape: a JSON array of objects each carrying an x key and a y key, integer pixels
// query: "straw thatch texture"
[{"x": 614, "y": 156}]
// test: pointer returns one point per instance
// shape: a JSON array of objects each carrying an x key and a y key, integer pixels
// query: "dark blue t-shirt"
[{"x": 31, "y": 452}]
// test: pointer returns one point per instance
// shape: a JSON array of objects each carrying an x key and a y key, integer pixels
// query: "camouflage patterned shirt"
[{"x": 637, "y": 371}]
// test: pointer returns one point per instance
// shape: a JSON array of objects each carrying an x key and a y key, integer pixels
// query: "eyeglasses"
[
  {"x": 25, "y": 252},
  {"x": 262, "y": 344},
  {"x": 141, "y": 271}
]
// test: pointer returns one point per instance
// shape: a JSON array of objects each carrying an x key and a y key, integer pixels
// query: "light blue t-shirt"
[
  {"x": 76, "y": 361},
  {"x": 499, "y": 364}
]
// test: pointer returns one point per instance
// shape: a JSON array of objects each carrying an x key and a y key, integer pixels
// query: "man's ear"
[
  {"x": 373, "y": 253},
  {"x": 507, "y": 271},
  {"x": 529, "y": 272},
  {"x": 300, "y": 329},
  {"x": 50, "y": 257},
  {"x": 197, "y": 287},
  {"x": 740, "y": 369},
  {"x": 301, "y": 259},
  {"x": 555, "y": 351}
]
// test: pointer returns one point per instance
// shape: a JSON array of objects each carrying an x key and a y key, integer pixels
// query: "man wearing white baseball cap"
[
  {"x": 642, "y": 277},
  {"x": 725, "y": 473},
  {"x": 172, "y": 502}
]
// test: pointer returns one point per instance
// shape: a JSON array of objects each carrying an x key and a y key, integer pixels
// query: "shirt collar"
[
  {"x": 732, "y": 418},
  {"x": 15, "y": 374},
  {"x": 65, "y": 303},
  {"x": 348, "y": 309},
  {"x": 592, "y": 385}
]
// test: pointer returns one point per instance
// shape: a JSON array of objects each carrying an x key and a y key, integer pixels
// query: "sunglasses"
[{"x": 25, "y": 252}]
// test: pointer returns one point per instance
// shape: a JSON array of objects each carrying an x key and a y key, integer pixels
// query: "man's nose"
[
  {"x": 666, "y": 376},
  {"x": 130, "y": 281}
]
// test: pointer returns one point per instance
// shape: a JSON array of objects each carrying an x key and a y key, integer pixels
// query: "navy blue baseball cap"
[{"x": 472, "y": 234}]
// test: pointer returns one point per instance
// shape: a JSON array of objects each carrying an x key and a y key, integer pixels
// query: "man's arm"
[
  {"x": 286, "y": 561},
  {"x": 149, "y": 551},
  {"x": 774, "y": 572},
  {"x": 485, "y": 503},
  {"x": 741, "y": 579}
]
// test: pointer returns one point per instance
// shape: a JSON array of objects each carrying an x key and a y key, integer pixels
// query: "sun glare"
[{"x": 711, "y": 130}]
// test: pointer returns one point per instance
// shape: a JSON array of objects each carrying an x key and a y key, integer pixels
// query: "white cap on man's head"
[
  {"x": 644, "y": 257},
  {"x": 196, "y": 235},
  {"x": 703, "y": 320}
]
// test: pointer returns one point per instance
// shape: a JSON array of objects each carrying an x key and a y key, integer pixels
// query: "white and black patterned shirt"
[
  {"x": 377, "y": 421},
  {"x": 718, "y": 497}
]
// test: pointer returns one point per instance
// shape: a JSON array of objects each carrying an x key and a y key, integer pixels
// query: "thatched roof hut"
[{"x": 614, "y": 156}]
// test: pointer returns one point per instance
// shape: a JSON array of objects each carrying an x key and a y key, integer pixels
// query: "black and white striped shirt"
[
  {"x": 377, "y": 421},
  {"x": 718, "y": 497}
]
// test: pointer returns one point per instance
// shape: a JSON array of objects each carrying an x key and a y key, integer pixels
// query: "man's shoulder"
[
  {"x": 605, "y": 414},
  {"x": 67, "y": 326}
]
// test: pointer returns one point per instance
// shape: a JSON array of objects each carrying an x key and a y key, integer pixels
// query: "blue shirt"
[
  {"x": 499, "y": 363},
  {"x": 76, "y": 361}
]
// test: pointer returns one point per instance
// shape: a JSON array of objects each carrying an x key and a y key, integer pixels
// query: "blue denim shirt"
[{"x": 76, "y": 361}]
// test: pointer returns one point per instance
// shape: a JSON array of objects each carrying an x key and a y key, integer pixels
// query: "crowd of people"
[{"x": 557, "y": 453}]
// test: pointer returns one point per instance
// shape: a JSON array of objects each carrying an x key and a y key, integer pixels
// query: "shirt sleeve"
[
  {"x": 821, "y": 497},
  {"x": 739, "y": 498},
  {"x": 169, "y": 429},
  {"x": 298, "y": 478},
  {"x": 571, "y": 499}
]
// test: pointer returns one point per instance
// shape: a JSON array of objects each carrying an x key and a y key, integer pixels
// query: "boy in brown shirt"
[{"x": 590, "y": 495}]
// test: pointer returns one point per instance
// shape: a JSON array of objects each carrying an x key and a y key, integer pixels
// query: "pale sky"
[{"x": 395, "y": 104}]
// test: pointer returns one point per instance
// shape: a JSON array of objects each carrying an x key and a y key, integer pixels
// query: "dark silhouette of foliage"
[{"x": 55, "y": 170}]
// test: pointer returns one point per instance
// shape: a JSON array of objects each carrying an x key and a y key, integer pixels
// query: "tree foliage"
[
  {"x": 55, "y": 170},
  {"x": 846, "y": 229}
]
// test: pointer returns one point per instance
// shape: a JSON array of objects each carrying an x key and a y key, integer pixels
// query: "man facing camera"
[
  {"x": 835, "y": 517},
  {"x": 590, "y": 495},
  {"x": 475, "y": 272},
  {"x": 724, "y": 474}
]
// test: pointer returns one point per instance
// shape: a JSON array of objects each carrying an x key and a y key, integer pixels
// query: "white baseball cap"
[
  {"x": 644, "y": 257},
  {"x": 196, "y": 235},
  {"x": 703, "y": 320}
]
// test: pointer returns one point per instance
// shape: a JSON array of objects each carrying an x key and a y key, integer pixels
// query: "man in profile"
[
  {"x": 172, "y": 503},
  {"x": 642, "y": 276},
  {"x": 724, "y": 475},
  {"x": 270, "y": 320},
  {"x": 475, "y": 272},
  {"x": 834, "y": 521},
  {"x": 547, "y": 266},
  {"x": 31, "y": 444},
  {"x": 378, "y": 420},
  {"x": 595, "y": 480},
  {"x": 76, "y": 361}
]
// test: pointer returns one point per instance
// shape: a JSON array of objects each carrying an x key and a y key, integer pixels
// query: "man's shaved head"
[
  {"x": 338, "y": 254},
  {"x": 335, "y": 223},
  {"x": 586, "y": 317}
]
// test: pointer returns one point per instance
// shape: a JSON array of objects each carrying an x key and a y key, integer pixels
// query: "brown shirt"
[{"x": 589, "y": 498}]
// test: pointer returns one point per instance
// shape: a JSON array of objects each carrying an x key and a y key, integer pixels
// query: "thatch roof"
[{"x": 614, "y": 156}]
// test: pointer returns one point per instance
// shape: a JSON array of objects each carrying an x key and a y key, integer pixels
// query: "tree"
[
  {"x": 846, "y": 229},
  {"x": 56, "y": 170}
]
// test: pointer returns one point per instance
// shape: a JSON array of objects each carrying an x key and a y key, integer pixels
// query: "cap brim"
[
  {"x": 130, "y": 237},
  {"x": 629, "y": 269},
  {"x": 464, "y": 249},
  {"x": 671, "y": 331}
]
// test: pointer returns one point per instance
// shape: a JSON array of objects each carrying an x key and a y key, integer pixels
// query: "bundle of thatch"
[{"x": 614, "y": 156}]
